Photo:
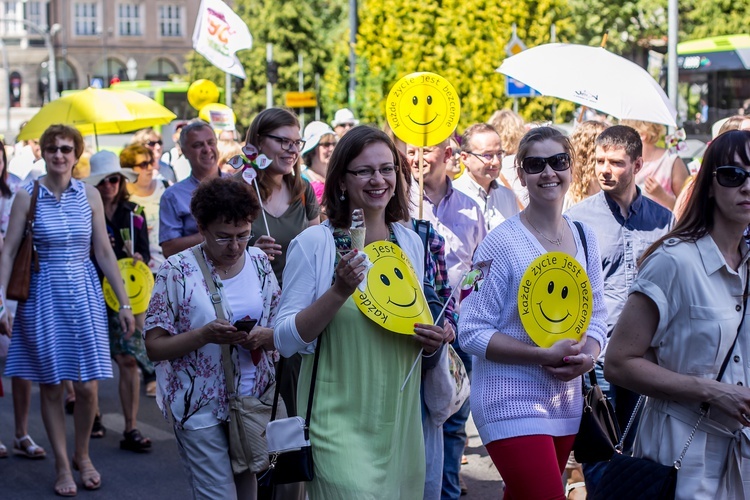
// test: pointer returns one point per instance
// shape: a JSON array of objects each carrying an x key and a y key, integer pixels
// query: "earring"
[{"x": 343, "y": 196}]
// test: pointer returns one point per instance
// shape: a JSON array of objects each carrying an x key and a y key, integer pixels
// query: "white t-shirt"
[
  {"x": 150, "y": 205},
  {"x": 243, "y": 293}
]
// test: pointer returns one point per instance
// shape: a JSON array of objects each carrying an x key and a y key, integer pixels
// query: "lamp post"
[{"x": 47, "y": 34}]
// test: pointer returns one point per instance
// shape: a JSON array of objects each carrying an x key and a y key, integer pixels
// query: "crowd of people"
[{"x": 664, "y": 251}]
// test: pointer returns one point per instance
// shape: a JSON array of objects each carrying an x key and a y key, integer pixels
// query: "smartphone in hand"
[{"x": 245, "y": 325}]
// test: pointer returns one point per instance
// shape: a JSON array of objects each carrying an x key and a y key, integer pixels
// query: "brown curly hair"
[
  {"x": 583, "y": 140},
  {"x": 224, "y": 198}
]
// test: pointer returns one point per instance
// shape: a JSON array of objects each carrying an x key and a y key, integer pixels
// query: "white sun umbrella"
[{"x": 592, "y": 77}]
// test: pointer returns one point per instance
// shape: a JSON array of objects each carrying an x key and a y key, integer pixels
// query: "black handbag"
[
  {"x": 598, "y": 433},
  {"x": 638, "y": 478}
]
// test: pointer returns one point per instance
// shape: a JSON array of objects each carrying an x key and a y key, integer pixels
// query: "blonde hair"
[
  {"x": 227, "y": 149},
  {"x": 510, "y": 127},
  {"x": 583, "y": 140},
  {"x": 650, "y": 132}
]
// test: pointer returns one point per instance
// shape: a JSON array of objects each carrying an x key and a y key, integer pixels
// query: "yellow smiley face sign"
[
  {"x": 138, "y": 285},
  {"x": 393, "y": 297},
  {"x": 423, "y": 109},
  {"x": 554, "y": 299},
  {"x": 202, "y": 92}
]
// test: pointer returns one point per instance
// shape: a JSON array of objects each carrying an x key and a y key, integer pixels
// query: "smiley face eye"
[
  {"x": 551, "y": 287},
  {"x": 429, "y": 99},
  {"x": 385, "y": 280},
  {"x": 564, "y": 292},
  {"x": 398, "y": 274},
  {"x": 414, "y": 100}
]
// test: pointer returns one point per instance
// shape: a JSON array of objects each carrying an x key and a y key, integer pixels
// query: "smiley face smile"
[
  {"x": 404, "y": 305},
  {"x": 567, "y": 315}
]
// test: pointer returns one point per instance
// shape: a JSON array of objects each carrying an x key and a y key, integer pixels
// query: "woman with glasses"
[
  {"x": 60, "y": 332},
  {"x": 184, "y": 336},
  {"x": 123, "y": 216},
  {"x": 526, "y": 400},
  {"x": 685, "y": 319},
  {"x": 151, "y": 139},
  {"x": 366, "y": 434},
  {"x": 320, "y": 139}
]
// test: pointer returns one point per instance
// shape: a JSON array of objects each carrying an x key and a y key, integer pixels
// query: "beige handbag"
[{"x": 248, "y": 415}]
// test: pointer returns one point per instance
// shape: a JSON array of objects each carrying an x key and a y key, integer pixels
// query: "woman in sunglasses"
[
  {"x": 683, "y": 325},
  {"x": 151, "y": 139},
  {"x": 60, "y": 332},
  {"x": 526, "y": 400}
]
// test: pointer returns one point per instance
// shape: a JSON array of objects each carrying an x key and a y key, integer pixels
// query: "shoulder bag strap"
[
  {"x": 423, "y": 230},
  {"x": 582, "y": 234},
  {"x": 226, "y": 353},
  {"x": 30, "y": 217}
]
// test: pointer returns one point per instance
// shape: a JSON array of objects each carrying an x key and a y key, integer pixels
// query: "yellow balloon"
[
  {"x": 220, "y": 116},
  {"x": 202, "y": 92},
  {"x": 554, "y": 299},
  {"x": 138, "y": 282},
  {"x": 393, "y": 297},
  {"x": 423, "y": 109}
]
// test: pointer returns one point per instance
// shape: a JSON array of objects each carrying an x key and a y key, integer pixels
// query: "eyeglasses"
[
  {"x": 731, "y": 176},
  {"x": 488, "y": 157},
  {"x": 345, "y": 125},
  {"x": 151, "y": 144},
  {"x": 327, "y": 144},
  {"x": 536, "y": 164},
  {"x": 54, "y": 149},
  {"x": 286, "y": 144},
  {"x": 369, "y": 173},
  {"x": 114, "y": 179},
  {"x": 143, "y": 164},
  {"x": 239, "y": 239}
]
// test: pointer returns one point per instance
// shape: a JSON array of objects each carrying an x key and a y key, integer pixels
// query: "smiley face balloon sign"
[
  {"x": 423, "y": 109},
  {"x": 554, "y": 299},
  {"x": 138, "y": 285},
  {"x": 393, "y": 297}
]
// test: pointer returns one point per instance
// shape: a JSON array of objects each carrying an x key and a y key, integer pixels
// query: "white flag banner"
[{"x": 219, "y": 33}]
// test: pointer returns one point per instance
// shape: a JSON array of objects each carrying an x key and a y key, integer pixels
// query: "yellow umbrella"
[{"x": 99, "y": 111}]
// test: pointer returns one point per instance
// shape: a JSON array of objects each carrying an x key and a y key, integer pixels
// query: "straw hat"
[{"x": 105, "y": 163}]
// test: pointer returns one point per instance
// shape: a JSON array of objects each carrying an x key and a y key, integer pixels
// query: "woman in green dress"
[{"x": 365, "y": 433}]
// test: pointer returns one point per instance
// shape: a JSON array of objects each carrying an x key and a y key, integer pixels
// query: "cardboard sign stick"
[
  {"x": 262, "y": 210},
  {"x": 421, "y": 179}
]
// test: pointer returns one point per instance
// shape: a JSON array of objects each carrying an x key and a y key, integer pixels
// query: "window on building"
[
  {"x": 85, "y": 18},
  {"x": 10, "y": 13},
  {"x": 36, "y": 13},
  {"x": 160, "y": 69},
  {"x": 129, "y": 17},
  {"x": 106, "y": 69},
  {"x": 170, "y": 20}
]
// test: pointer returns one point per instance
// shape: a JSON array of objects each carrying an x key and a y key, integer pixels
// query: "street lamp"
[{"x": 47, "y": 34}]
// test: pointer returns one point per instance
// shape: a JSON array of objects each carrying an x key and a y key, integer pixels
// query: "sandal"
[
  {"x": 98, "y": 430},
  {"x": 134, "y": 441},
  {"x": 26, "y": 447},
  {"x": 571, "y": 487},
  {"x": 3, "y": 451},
  {"x": 65, "y": 486},
  {"x": 90, "y": 477}
]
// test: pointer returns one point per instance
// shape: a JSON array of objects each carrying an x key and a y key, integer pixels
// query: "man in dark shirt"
[{"x": 626, "y": 224}]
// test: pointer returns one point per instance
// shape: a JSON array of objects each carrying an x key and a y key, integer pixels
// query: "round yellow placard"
[
  {"x": 393, "y": 297},
  {"x": 423, "y": 109},
  {"x": 554, "y": 299},
  {"x": 138, "y": 285},
  {"x": 202, "y": 92}
]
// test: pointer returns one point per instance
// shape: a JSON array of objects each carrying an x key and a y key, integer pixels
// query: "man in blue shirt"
[
  {"x": 177, "y": 228},
  {"x": 626, "y": 224}
]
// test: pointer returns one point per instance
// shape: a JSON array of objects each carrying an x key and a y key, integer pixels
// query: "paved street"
[{"x": 158, "y": 474}]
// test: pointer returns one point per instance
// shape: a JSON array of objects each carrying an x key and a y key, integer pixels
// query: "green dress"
[{"x": 366, "y": 435}]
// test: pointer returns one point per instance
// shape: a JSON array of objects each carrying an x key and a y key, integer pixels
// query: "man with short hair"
[
  {"x": 482, "y": 154},
  {"x": 626, "y": 223},
  {"x": 459, "y": 220},
  {"x": 177, "y": 228}
]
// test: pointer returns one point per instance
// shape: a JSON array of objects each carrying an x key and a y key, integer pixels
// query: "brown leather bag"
[{"x": 20, "y": 276}]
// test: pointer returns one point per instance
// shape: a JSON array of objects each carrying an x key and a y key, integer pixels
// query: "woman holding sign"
[
  {"x": 128, "y": 235},
  {"x": 366, "y": 435},
  {"x": 60, "y": 332},
  {"x": 682, "y": 337},
  {"x": 534, "y": 325}
]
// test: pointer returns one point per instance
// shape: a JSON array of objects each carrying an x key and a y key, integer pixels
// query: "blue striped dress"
[{"x": 60, "y": 332}]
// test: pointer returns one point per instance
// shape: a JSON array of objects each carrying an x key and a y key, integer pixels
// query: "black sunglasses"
[
  {"x": 114, "y": 179},
  {"x": 54, "y": 149},
  {"x": 143, "y": 164},
  {"x": 731, "y": 177},
  {"x": 537, "y": 164},
  {"x": 151, "y": 144}
]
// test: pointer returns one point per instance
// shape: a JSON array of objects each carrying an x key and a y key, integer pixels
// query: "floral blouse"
[{"x": 193, "y": 386}]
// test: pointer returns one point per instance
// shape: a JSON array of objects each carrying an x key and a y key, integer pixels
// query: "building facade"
[{"x": 92, "y": 41}]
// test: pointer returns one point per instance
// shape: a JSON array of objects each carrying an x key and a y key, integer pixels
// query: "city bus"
[{"x": 714, "y": 80}]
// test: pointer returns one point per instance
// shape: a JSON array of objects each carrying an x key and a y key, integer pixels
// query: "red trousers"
[{"x": 532, "y": 466}]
